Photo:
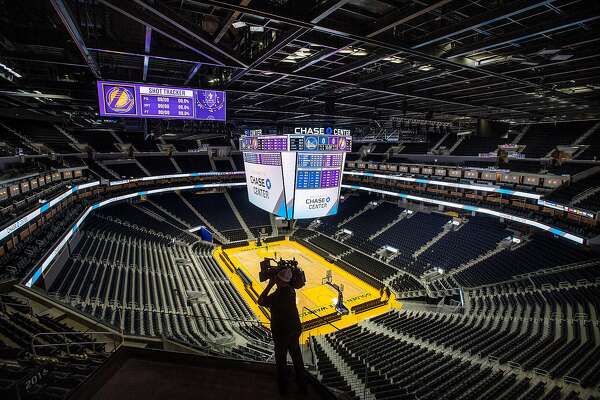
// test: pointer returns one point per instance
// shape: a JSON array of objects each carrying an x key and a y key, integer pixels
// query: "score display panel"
[
  {"x": 136, "y": 100},
  {"x": 295, "y": 176}
]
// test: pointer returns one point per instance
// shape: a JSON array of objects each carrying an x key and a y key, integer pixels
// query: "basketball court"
[{"x": 320, "y": 294}]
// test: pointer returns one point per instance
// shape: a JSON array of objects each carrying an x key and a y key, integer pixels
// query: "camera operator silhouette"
[{"x": 285, "y": 327}]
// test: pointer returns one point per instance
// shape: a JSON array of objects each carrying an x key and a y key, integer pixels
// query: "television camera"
[{"x": 269, "y": 267}]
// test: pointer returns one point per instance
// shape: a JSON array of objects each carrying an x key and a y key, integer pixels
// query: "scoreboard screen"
[
  {"x": 295, "y": 176},
  {"x": 135, "y": 100}
]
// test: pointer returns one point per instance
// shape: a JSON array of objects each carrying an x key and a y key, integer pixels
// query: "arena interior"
[{"x": 461, "y": 259}]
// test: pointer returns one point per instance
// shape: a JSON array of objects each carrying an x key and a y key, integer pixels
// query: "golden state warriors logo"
[{"x": 119, "y": 99}]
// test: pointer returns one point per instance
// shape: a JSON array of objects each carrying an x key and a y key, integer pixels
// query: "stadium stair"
[
  {"x": 456, "y": 144},
  {"x": 201, "y": 217},
  {"x": 447, "y": 229},
  {"x": 584, "y": 195},
  {"x": 482, "y": 257},
  {"x": 439, "y": 142},
  {"x": 523, "y": 132},
  {"x": 177, "y": 167},
  {"x": 140, "y": 166},
  {"x": 400, "y": 217},
  {"x": 67, "y": 135},
  {"x": 24, "y": 140},
  {"x": 586, "y": 134},
  {"x": 238, "y": 215},
  {"x": 169, "y": 213},
  {"x": 108, "y": 170},
  {"x": 215, "y": 231},
  {"x": 366, "y": 208},
  {"x": 344, "y": 369}
]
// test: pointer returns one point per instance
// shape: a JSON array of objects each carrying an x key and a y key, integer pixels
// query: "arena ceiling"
[{"x": 299, "y": 61}]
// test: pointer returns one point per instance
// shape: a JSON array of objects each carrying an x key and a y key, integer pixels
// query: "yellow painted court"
[{"x": 241, "y": 264}]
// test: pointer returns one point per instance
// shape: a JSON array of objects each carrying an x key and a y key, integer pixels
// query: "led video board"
[
  {"x": 295, "y": 176},
  {"x": 137, "y": 100}
]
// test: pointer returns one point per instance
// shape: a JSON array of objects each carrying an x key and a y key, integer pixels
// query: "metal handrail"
[
  {"x": 68, "y": 343},
  {"x": 27, "y": 304},
  {"x": 320, "y": 317}
]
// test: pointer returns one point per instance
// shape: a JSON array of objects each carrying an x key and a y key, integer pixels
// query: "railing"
[
  {"x": 321, "y": 318},
  {"x": 27, "y": 304},
  {"x": 69, "y": 344}
]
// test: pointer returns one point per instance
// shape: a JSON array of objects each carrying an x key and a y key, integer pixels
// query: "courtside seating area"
[
  {"x": 235, "y": 306},
  {"x": 157, "y": 165},
  {"x": 328, "y": 244},
  {"x": 405, "y": 283},
  {"x": 194, "y": 163},
  {"x": 470, "y": 243},
  {"x": 369, "y": 265}
]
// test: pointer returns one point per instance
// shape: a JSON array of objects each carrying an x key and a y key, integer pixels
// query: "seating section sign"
[{"x": 136, "y": 100}]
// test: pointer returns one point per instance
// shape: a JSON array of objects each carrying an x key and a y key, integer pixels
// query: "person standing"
[{"x": 285, "y": 327}]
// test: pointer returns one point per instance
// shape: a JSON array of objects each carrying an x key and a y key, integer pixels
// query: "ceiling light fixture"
[
  {"x": 354, "y": 51},
  {"x": 394, "y": 59}
]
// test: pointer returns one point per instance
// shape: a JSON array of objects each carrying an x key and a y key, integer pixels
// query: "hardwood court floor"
[{"x": 315, "y": 295}]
